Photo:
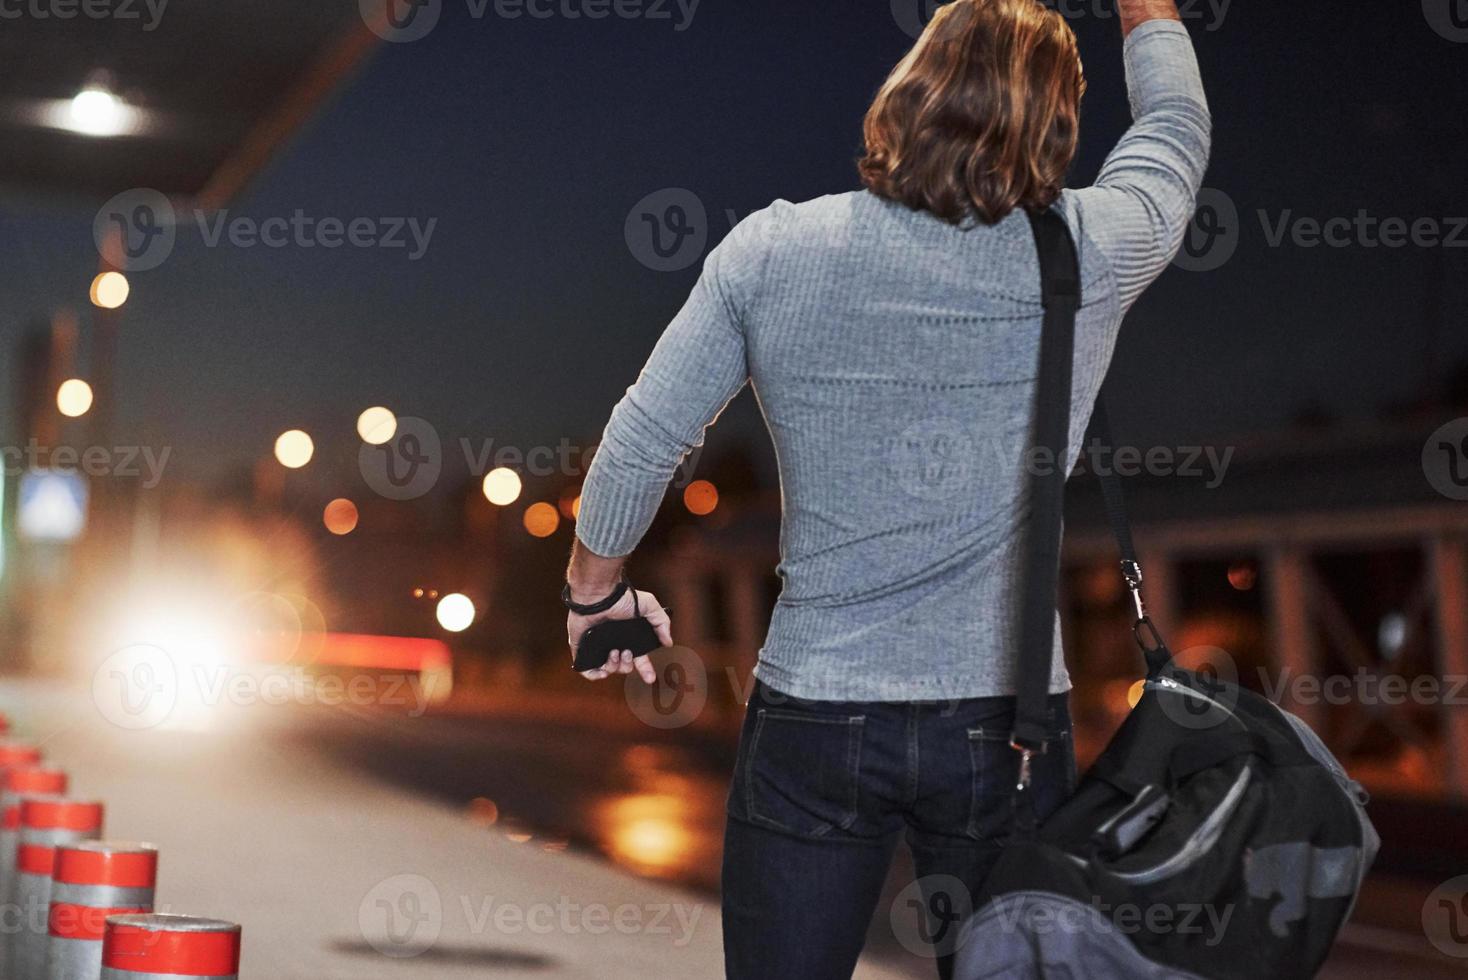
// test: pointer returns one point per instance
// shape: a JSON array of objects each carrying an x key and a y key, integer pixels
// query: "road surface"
[{"x": 540, "y": 841}]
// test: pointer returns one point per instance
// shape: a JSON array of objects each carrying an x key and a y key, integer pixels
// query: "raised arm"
[
  {"x": 1145, "y": 196},
  {"x": 1135, "y": 13},
  {"x": 697, "y": 367}
]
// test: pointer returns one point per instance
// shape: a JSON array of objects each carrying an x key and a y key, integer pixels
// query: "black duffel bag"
[{"x": 1215, "y": 836}]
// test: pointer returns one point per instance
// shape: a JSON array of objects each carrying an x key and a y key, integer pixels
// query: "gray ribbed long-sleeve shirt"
[{"x": 893, "y": 356}]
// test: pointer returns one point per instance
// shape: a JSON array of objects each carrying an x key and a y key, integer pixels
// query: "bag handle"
[
  {"x": 1099, "y": 435},
  {"x": 1060, "y": 290}
]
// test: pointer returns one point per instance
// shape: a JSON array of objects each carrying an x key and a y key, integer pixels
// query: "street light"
[
  {"x": 455, "y": 612},
  {"x": 541, "y": 520},
  {"x": 294, "y": 449},
  {"x": 340, "y": 516},
  {"x": 570, "y": 503},
  {"x": 96, "y": 112},
  {"x": 74, "y": 398},
  {"x": 110, "y": 290},
  {"x": 502, "y": 486},
  {"x": 377, "y": 425}
]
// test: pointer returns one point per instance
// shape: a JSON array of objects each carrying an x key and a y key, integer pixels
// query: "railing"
[
  {"x": 1421, "y": 710},
  {"x": 1410, "y": 736}
]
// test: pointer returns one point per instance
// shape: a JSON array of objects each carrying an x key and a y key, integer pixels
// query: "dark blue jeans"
[{"x": 821, "y": 791}]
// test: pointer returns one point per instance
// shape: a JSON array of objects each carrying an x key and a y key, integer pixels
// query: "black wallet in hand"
[{"x": 597, "y": 643}]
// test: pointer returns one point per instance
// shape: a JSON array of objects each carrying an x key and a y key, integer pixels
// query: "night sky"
[{"x": 530, "y": 140}]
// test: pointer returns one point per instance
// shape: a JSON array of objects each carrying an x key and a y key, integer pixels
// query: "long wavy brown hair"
[{"x": 982, "y": 115}]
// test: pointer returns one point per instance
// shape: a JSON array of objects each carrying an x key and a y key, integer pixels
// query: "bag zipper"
[{"x": 1168, "y": 684}]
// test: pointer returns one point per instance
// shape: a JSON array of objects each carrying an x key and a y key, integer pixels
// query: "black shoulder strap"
[
  {"x": 1061, "y": 294},
  {"x": 1060, "y": 288}
]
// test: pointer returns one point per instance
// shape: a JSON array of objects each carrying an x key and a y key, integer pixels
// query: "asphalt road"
[{"x": 335, "y": 874}]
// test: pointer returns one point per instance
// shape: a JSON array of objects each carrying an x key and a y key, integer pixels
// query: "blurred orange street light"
[
  {"x": 74, "y": 398},
  {"x": 502, "y": 486},
  {"x": 542, "y": 519},
  {"x": 700, "y": 497},
  {"x": 340, "y": 516},
  {"x": 110, "y": 290},
  {"x": 377, "y": 425},
  {"x": 570, "y": 503},
  {"x": 294, "y": 449},
  {"x": 1243, "y": 575},
  {"x": 455, "y": 612}
]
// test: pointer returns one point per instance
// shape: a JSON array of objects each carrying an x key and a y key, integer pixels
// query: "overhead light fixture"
[
  {"x": 94, "y": 111},
  {"x": 97, "y": 112}
]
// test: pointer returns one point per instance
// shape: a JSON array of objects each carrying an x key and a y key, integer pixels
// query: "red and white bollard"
[
  {"x": 14, "y": 753},
  {"x": 46, "y": 823},
  {"x": 15, "y": 785},
  {"x": 153, "y": 947},
  {"x": 92, "y": 881}
]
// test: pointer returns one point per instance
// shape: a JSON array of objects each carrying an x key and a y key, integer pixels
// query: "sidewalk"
[{"x": 337, "y": 877}]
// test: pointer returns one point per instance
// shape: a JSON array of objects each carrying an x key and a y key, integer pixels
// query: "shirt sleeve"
[
  {"x": 1141, "y": 204},
  {"x": 696, "y": 369}
]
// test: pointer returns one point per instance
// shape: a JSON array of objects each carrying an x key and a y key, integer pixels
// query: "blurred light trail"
[
  {"x": 294, "y": 449},
  {"x": 110, "y": 290},
  {"x": 502, "y": 486},
  {"x": 377, "y": 425},
  {"x": 340, "y": 516},
  {"x": 455, "y": 612},
  {"x": 74, "y": 398},
  {"x": 364, "y": 650},
  {"x": 541, "y": 520}
]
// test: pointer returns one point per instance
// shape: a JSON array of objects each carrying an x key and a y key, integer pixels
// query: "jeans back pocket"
[{"x": 801, "y": 771}]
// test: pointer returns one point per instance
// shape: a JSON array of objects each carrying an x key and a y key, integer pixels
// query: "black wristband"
[{"x": 600, "y": 606}]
